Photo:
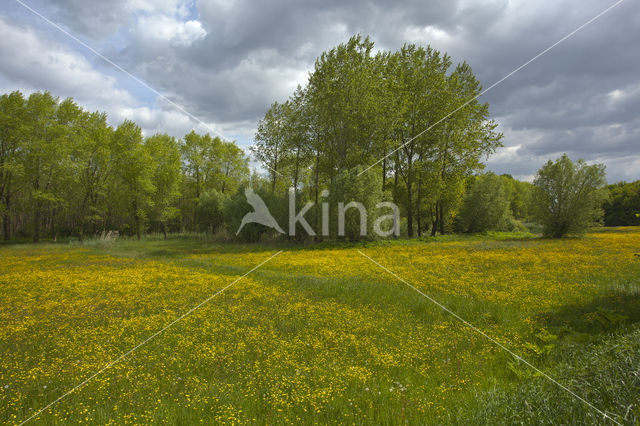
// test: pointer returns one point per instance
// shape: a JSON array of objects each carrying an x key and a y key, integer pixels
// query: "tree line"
[
  {"x": 64, "y": 171},
  {"x": 401, "y": 126}
]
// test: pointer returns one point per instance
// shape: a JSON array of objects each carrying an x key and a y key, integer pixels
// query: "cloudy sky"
[{"x": 225, "y": 62}]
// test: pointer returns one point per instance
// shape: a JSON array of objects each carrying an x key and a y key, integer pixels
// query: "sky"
[{"x": 216, "y": 66}]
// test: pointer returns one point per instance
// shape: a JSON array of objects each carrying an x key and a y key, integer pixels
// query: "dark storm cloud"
[{"x": 227, "y": 61}]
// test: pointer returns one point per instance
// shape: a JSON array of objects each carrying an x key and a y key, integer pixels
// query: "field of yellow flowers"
[{"x": 321, "y": 334}]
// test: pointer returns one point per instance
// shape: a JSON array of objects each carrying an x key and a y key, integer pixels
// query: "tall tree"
[
  {"x": 166, "y": 159},
  {"x": 200, "y": 154},
  {"x": 465, "y": 137},
  {"x": 269, "y": 141},
  {"x": 44, "y": 155},
  {"x": 133, "y": 169},
  {"x": 13, "y": 128},
  {"x": 233, "y": 167}
]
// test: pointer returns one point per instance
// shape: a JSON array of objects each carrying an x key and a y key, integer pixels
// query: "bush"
[{"x": 568, "y": 196}]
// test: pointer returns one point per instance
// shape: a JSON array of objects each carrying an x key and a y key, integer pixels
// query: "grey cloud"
[{"x": 582, "y": 97}]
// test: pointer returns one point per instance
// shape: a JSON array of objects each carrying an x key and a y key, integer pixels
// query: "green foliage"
[
  {"x": 623, "y": 206},
  {"x": 210, "y": 163},
  {"x": 569, "y": 196},
  {"x": 210, "y": 211},
  {"x": 486, "y": 206},
  {"x": 167, "y": 177},
  {"x": 360, "y": 106},
  {"x": 520, "y": 197},
  {"x": 365, "y": 189},
  {"x": 65, "y": 171}
]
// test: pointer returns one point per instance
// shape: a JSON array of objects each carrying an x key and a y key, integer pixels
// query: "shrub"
[{"x": 568, "y": 196}]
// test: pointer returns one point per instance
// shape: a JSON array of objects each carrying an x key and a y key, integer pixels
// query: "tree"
[
  {"x": 210, "y": 211},
  {"x": 519, "y": 194},
  {"x": 359, "y": 107},
  {"x": 167, "y": 176},
  {"x": 133, "y": 168},
  {"x": 364, "y": 189},
  {"x": 270, "y": 142},
  {"x": 45, "y": 154},
  {"x": 64, "y": 171},
  {"x": 90, "y": 152},
  {"x": 233, "y": 167},
  {"x": 12, "y": 139},
  {"x": 568, "y": 196},
  {"x": 623, "y": 206},
  {"x": 417, "y": 77},
  {"x": 200, "y": 155},
  {"x": 464, "y": 139},
  {"x": 486, "y": 206}
]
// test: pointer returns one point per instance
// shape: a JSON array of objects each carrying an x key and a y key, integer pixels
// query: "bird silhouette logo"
[{"x": 261, "y": 213}]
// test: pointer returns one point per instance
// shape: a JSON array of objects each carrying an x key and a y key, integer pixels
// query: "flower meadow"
[{"x": 321, "y": 334}]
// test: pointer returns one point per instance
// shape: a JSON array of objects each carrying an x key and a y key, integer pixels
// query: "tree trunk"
[
  {"x": 384, "y": 169},
  {"x": 395, "y": 175},
  {"x": 226, "y": 176},
  {"x": 6, "y": 220},
  {"x": 410, "y": 191},
  {"x": 409, "y": 206},
  {"x": 418, "y": 213},
  {"x": 137, "y": 217},
  {"x": 316, "y": 184},
  {"x": 164, "y": 229},
  {"x": 36, "y": 224},
  {"x": 195, "y": 207},
  {"x": 441, "y": 219},
  {"x": 273, "y": 181},
  {"x": 434, "y": 221}
]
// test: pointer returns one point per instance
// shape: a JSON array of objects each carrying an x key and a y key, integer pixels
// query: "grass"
[{"x": 320, "y": 334}]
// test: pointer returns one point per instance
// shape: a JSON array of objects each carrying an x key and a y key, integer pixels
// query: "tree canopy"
[
  {"x": 568, "y": 196},
  {"x": 66, "y": 171},
  {"x": 361, "y": 108}
]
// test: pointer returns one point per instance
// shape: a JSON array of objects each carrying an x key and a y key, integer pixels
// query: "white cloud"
[
  {"x": 38, "y": 63},
  {"x": 35, "y": 61},
  {"x": 171, "y": 30}
]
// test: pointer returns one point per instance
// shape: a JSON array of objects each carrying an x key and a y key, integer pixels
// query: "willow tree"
[{"x": 568, "y": 196}]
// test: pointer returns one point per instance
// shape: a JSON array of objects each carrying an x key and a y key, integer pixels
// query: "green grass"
[{"x": 321, "y": 335}]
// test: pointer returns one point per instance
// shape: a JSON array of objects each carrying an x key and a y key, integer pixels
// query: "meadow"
[{"x": 320, "y": 334}]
